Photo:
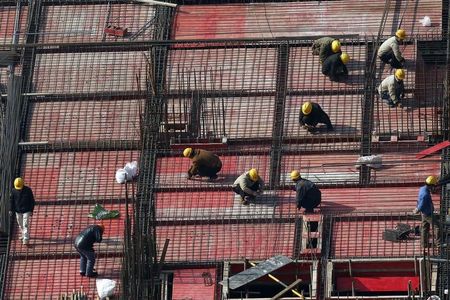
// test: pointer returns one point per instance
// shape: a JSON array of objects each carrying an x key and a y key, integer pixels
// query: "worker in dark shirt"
[
  {"x": 84, "y": 243},
  {"x": 325, "y": 46},
  {"x": 334, "y": 66},
  {"x": 204, "y": 163},
  {"x": 22, "y": 204},
  {"x": 311, "y": 114},
  {"x": 308, "y": 194}
]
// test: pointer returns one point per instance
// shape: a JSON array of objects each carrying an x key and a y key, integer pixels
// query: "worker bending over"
[
  {"x": 84, "y": 244},
  {"x": 334, "y": 66},
  {"x": 311, "y": 114},
  {"x": 204, "y": 163},
  {"x": 308, "y": 194},
  {"x": 248, "y": 186},
  {"x": 389, "y": 51},
  {"x": 325, "y": 47},
  {"x": 392, "y": 88}
]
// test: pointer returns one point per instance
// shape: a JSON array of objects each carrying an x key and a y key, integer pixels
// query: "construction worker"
[
  {"x": 84, "y": 243},
  {"x": 426, "y": 208},
  {"x": 392, "y": 88},
  {"x": 334, "y": 66},
  {"x": 311, "y": 114},
  {"x": 22, "y": 204},
  {"x": 248, "y": 186},
  {"x": 308, "y": 194},
  {"x": 325, "y": 47},
  {"x": 389, "y": 51},
  {"x": 204, "y": 163}
]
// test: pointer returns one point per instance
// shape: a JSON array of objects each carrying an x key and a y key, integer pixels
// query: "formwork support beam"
[{"x": 278, "y": 126}]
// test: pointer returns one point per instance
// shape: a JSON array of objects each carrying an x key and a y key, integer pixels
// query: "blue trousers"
[{"x": 87, "y": 261}]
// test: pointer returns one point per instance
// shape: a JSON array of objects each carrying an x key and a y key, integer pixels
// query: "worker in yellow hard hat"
[
  {"x": 311, "y": 114},
  {"x": 22, "y": 204},
  {"x": 308, "y": 194},
  {"x": 389, "y": 51},
  {"x": 335, "y": 66},
  {"x": 426, "y": 208},
  {"x": 392, "y": 88},
  {"x": 325, "y": 47},
  {"x": 248, "y": 186},
  {"x": 204, "y": 163}
]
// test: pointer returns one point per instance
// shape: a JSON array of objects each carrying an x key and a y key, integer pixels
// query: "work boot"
[
  {"x": 214, "y": 177},
  {"x": 82, "y": 274},
  {"x": 92, "y": 275}
]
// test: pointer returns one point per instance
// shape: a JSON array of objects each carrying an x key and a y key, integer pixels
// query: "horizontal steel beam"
[{"x": 105, "y": 145}]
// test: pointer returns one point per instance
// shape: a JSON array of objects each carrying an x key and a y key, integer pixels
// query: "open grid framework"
[{"x": 87, "y": 103}]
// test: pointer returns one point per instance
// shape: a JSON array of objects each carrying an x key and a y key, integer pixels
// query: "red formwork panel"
[
  {"x": 363, "y": 237},
  {"x": 344, "y": 111},
  {"x": 250, "y": 69},
  {"x": 226, "y": 241},
  {"x": 86, "y": 23},
  {"x": 312, "y": 18},
  {"x": 75, "y": 175},
  {"x": 305, "y": 71},
  {"x": 62, "y": 73},
  {"x": 7, "y": 23},
  {"x": 194, "y": 283},
  {"x": 172, "y": 171},
  {"x": 85, "y": 120},
  {"x": 372, "y": 200},
  {"x": 47, "y": 278},
  {"x": 53, "y": 229}
]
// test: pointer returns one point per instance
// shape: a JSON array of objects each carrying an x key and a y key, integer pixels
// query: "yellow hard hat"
[
  {"x": 295, "y": 175},
  {"x": 253, "y": 174},
  {"x": 187, "y": 152},
  {"x": 400, "y": 34},
  {"x": 431, "y": 180},
  {"x": 307, "y": 108},
  {"x": 345, "y": 58},
  {"x": 18, "y": 183},
  {"x": 336, "y": 46},
  {"x": 400, "y": 74}
]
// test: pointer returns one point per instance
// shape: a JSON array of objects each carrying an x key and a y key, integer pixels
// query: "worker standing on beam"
[
  {"x": 84, "y": 244},
  {"x": 204, "y": 163},
  {"x": 392, "y": 88},
  {"x": 426, "y": 208},
  {"x": 311, "y": 114},
  {"x": 248, "y": 186},
  {"x": 334, "y": 66},
  {"x": 389, "y": 51},
  {"x": 308, "y": 194},
  {"x": 325, "y": 47},
  {"x": 22, "y": 204}
]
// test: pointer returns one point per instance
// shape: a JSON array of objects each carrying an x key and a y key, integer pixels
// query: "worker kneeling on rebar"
[
  {"x": 308, "y": 194},
  {"x": 389, "y": 51},
  {"x": 204, "y": 163},
  {"x": 426, "y": 208},
  {"x": 325, "y": 47},
  {"x": 312, "y": 114},
  {"x": 248, "y": 186},
  {"x": 334, "y": 66},
  {"x": 392, "y": 88}
]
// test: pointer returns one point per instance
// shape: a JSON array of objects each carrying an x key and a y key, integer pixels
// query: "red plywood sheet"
[
  {"x": 226, "y": 241},
  {"x": 433, "y": 149},
  {"x": 312, "y": 18},
  {"x": 53, "y": 229},
  {"x": 75, "y": 175},
  {"x": 50, "y": 278},
  {"x": 344, "y": 112},
  {"x": 194, "y": 284},
  {"x": 86, "y": 23},
  {"x": 85, "y": 120},
  {"x": 378, "y": 283},
  {"x": 172, "y": 171},
  {"x": 226, "y": 69},
  {"x": 89, "y": 72},
  {"x": 7, "y": 21},
  {"x": 363, "y": 238}
]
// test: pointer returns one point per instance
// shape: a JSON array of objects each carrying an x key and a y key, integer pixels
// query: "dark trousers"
[
  {"x": 389, "y": 58},
  {"x": 425, "y": 229},
  {"x": 237, "y": 189},
  {"x": 208, "y": 172},
  {"x": 87, "y": 261}
]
